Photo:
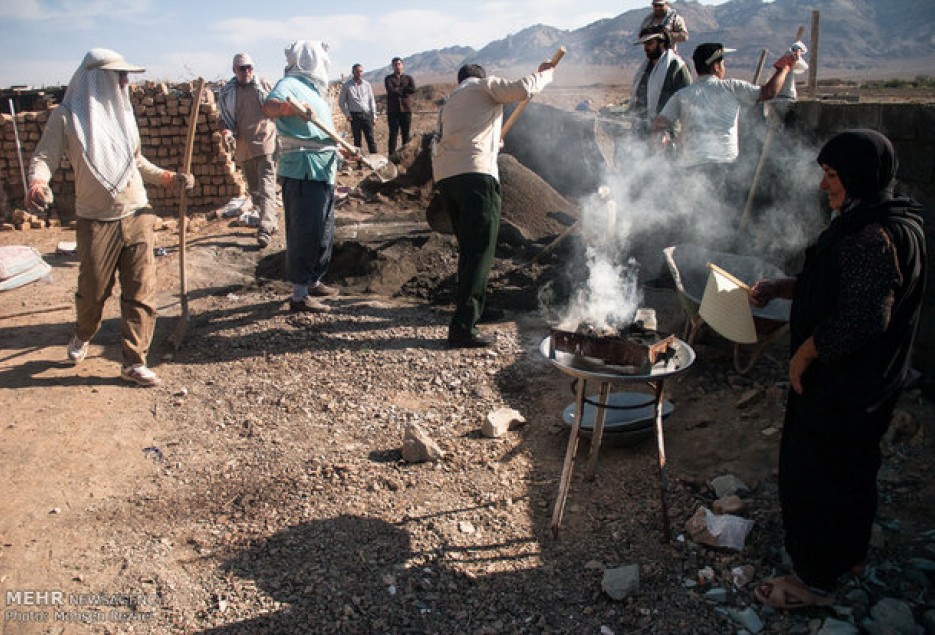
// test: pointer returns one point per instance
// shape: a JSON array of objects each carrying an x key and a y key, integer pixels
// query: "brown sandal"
[{"x": 788, "y": 592}]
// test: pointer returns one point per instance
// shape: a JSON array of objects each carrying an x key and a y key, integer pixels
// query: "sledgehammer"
[{"x": 559, "y": 54}]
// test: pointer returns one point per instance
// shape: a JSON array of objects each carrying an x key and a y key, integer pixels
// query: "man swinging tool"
[{"x": 464, "y": 165}]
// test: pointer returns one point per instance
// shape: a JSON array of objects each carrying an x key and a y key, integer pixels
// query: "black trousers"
[
  {"x": 474, "y": 203},
  {"x": 828, "y": 463},
  {"x": 399, "y": 123},
  {"x": 362, "y": 128}
]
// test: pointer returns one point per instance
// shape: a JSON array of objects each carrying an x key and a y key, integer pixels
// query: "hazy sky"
[{"x": 43, "y": 41}]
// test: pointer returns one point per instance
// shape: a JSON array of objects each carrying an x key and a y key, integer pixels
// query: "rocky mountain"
[{"x": 868, "y": 38}]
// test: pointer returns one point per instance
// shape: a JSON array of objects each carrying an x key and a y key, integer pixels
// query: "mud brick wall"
[{"x": 162, "y": 113}]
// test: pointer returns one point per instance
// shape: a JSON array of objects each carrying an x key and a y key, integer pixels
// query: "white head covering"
[
  {"x": 102, "y": 117},
  {"x": 309, "y": 59}
]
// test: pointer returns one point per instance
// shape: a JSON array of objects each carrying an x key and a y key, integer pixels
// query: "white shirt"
[
  {"x": 356, "y": 97},
  {"x": 708, "y": 111}
]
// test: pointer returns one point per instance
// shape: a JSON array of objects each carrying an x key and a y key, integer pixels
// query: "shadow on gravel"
[
  {"x": 355, "y": 324},
  {"x": 385, "y": 586}
]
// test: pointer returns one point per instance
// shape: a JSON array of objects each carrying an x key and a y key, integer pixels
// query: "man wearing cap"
[
  {"x": 709, "y": 109},
  {"x": 658, "y": 78},
  {"x": 666, "y": 17},
  {"x": 357, "y": 103},
  {"x": 253, "y": 136},
  {"x": 95, "y": 129}
]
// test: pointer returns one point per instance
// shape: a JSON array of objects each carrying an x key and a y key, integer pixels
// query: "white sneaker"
[
  {"x": 139, "y": 374},
  {"x": 77, "y": 350}
]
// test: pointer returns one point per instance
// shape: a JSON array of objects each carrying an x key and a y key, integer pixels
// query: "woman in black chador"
[{"x": 855, "y": 310}]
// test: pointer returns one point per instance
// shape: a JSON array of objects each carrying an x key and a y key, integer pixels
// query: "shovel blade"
[{"x": 382, "y": 167}]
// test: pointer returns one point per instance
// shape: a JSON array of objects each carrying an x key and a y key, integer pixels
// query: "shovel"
[{"x": 381, "y": 166}]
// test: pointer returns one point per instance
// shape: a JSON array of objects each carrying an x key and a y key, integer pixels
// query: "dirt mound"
[
  {"x": 414, "y": 161},
  {"x": 533, "y": 210},
  {"x": 530, "y": 204}
]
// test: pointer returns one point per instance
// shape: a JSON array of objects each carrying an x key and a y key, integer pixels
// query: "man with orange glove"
[{"x": 95, "y": 128}]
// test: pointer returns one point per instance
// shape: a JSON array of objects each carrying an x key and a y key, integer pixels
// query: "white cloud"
[{"x": 77, "y": 12}]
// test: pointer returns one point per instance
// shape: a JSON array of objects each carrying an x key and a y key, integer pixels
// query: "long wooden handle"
[
  {"x": 183, "y": 199},
  {"x": 559, "y": 54},
  {"x": 740, "y": 283},
  {"x": 309, "y": 115}
]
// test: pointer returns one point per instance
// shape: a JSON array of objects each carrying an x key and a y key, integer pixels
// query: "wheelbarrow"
[{"x": 689, "y": 266}]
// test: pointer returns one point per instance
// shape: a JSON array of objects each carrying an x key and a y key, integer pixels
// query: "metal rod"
[
  {"x": 19, "y": 151},
  {"x": 51, "y": 309}
]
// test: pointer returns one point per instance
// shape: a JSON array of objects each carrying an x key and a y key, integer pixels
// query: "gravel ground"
[{"x": 282, "y": 504}]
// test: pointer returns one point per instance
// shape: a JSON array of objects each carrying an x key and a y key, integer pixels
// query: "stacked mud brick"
[{"x": 162, "y": 114}]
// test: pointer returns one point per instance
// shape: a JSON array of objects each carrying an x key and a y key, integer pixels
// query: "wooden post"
[
  {"x": 759, "y": 67},
  {"x": 564, "y": 483},
  {"x": 748, "y": 205},
  {"x": 813, "y": 55},
  {"x": 663, "y": 476}
]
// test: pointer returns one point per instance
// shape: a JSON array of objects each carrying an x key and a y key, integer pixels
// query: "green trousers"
[{"x": 474, "y": 203}]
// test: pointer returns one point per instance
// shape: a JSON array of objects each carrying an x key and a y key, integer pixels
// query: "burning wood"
[{"x": 635, "y": 346}]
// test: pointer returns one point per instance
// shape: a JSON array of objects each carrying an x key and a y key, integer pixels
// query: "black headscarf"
[{"x": 865, "y": 162}]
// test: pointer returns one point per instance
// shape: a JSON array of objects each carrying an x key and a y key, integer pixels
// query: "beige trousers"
[
  {"x": 109, "y": 248},
  {"x": 260, "y": 173}
]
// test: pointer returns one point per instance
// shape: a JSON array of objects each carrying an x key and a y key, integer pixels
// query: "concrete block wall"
[
  {"x": 162, "y": 117},
  {"x": 910, "y": 126}
]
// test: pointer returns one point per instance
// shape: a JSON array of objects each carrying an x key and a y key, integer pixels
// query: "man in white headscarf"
[
  {"x": 95, "y": 128},
  {"x": 307, "y": 169}
]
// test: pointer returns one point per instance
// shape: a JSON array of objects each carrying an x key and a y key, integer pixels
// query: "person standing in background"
[
  {"x": 253, "y": 136},
  {"x": 399, "y": 90},
  {"x": 359, "y": 106},
  {"x": 658, "y": 78},
  {"x": 666, "y": 17}
]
